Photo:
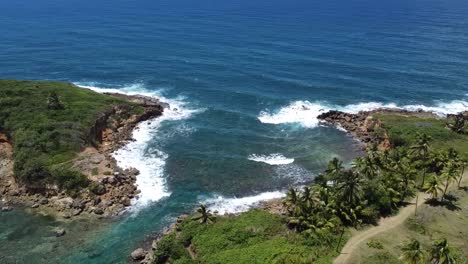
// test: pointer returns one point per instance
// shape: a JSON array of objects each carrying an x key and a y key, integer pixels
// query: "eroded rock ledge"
[
  {"x": 111, "y": 189},
  {"x": 365, "y": 126}
]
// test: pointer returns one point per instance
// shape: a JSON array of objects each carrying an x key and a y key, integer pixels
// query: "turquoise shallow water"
[{"x": 247, "y": 79}]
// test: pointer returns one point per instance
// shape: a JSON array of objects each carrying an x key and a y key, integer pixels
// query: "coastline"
[
  {"x": 113, "y": 188},
  {"x": 364, "y": 126}
]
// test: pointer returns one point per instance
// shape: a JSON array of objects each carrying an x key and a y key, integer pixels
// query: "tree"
[
  {"x": 462, "y": 165},
  {"x": 365, "y": 166},
  {"x": 349, "y": 187},
  {"x": 458, "y": 125},
  {"x": 433, "y": 187},
  {"x": 53, "y": 101},
  {"x": 291, "y": 200},
  {"x": 421, "y": 149},
  {"x": 412, "y": 252},
  {"x": 334, "y": 169},
  {"x": 449, "y": 173},
  {"x": 204, "y": 216},
  {"x": 441, "y": 253}
]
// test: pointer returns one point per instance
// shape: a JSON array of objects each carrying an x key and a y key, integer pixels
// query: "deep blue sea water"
[{"x": 245, "y": 80}]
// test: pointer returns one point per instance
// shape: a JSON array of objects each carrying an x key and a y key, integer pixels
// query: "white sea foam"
[
  {"x": 305, "y": 112},
  {"x": 150, "y": 163},
  {"x": 237, "y": 205},
  {"x": 273, "y": 159}
]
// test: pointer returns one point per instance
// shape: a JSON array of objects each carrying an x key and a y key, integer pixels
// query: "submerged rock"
[
  {"x": 7, "y": 208},
  {"x": 138, "y": 254},
  {"x": 59, "y": 232}
]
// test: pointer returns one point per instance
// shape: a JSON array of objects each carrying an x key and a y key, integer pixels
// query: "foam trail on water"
[
  {"x": 237, "y": 205},
  {"x": 150, "y": 181},
  {"x": 273, "y": 159},
  {"x": 305, "y": 112}
]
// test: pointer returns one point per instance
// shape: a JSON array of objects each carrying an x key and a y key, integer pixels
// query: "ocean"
[{"x": 245, "y": 81}]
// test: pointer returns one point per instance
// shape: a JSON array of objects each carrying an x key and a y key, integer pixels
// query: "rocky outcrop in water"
[{"x": 363, "y": 125}]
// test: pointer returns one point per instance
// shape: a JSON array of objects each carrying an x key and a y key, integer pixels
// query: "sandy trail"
[{"x": 384, "y": 224}]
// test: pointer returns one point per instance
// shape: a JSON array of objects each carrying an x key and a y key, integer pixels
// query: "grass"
[
  {"x": 256, "y": 236},
  {"x": 45, "y": 140},
  {"x": 403, "y": 130},
  {"x": 431, "y": 222}
]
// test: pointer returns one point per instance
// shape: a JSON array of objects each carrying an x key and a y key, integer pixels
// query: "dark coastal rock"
[
  {"x": 96, "y": 201},
  {"x": 44, "y": 201},
  {"x": 99, "y": 189},
  {"x": 138, "y": 254},
  {"x": 77, "y": 211},
  {"x": 98, "y": 211},
  {"x": 78, "y": 204}
]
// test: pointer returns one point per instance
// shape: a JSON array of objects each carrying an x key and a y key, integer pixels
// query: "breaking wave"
[
  {"x": 225, "y": 205},
  {"x": 305, "y": 112},
  {"x": 273, "y": 159}
]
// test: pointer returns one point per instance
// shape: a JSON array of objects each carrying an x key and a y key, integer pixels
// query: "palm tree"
[
  {"x": 421, "y": 149},
  {"x": 365, "y": 166},
  {"x": 449, "y": 173},
  {"x": 441, "y": 252},
  {"x": 462, "y": 165},
  {"x": 412, "y": 252},
  {"x": 433, "y": 187},
  {"x": 291, "y": 201},
  {"x": 204, "y": 216},
  {"x": 334, "y": 169},
  {"x": 350, "y": 188}
]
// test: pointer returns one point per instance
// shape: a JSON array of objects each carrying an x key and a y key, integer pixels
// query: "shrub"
[{"x": 374, "y": 244}]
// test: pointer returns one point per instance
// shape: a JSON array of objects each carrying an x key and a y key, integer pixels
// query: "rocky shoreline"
[
  {"x": 111, "y": 189},
  {"x": 365, "y": 127}
]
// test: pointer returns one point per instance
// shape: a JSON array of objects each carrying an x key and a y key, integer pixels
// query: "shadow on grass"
[{"x": 448, "y": 202}]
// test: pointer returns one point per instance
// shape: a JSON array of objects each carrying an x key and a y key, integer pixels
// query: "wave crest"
[
  {"x": 305, "y": 113},
  {"x": 225, "y": 205},
  {"x": 273, "y": 159}
]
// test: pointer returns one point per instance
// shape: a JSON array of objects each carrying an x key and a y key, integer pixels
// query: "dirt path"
[{"x": 385, "y": 224}]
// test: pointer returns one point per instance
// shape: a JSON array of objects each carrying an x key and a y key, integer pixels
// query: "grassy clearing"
[
  {"x": 431, "y": 222},
  {"x": 256, "y": 236},
  {"x": 403, "y": 131},
  {"x": 45, "y": 139}
]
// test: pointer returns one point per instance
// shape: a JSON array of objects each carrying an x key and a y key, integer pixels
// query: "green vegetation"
[
  {"x": 427, "y": 157},
  {"x": 253, "y": 237},
  {"x": 49, "y": 122},
  {"x": 403, "y": 131}
]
